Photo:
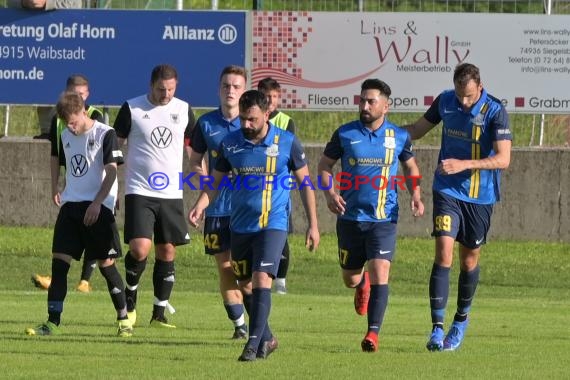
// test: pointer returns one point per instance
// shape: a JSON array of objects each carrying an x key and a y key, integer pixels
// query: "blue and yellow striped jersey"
[
  {"x": 260, "y": 191},
  {"x": 469, "y": 136},
  {"x": 374, "y": 156}
]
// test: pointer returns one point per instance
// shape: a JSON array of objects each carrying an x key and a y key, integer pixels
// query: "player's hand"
[
  {"x": 417, "y": 207},
  {"x": 56, "y": 198},
  {"x": 336, "y": 204},
  {"x": 312, "y": 239},
  {"x": 451, "y": 166},
  {"x": 92, "y": 214},
  {"x": 195, "y": 216}
]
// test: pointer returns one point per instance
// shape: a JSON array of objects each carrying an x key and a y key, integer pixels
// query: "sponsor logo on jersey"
[
  {"x": 161, "y": 137},
  {"x": 79, "y": 165},
  {"x": 390, "y": 142},
  {"x": 272, "y": 151}
]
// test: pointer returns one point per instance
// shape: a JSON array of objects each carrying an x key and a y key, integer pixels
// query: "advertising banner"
[
  {"x": 322, "y": 58},
  {"x": 116, "y": 50}
]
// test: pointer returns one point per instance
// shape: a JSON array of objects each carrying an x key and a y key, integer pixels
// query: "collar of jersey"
[
  {"x": 365, "y": 131},
  {"x": 476, "y": 108},
  {"x": 235, "y": 121}
]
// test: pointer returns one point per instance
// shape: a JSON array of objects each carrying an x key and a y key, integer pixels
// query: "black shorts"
[
  {"x": 466, "y": 222},
  {"x": 100, "y": 241},
  {"x": 217, "y": 234},
  {"x": 145, "y": 216},
  {"x": 257, "y": 252},
  {"x": 359, "y": 242}
]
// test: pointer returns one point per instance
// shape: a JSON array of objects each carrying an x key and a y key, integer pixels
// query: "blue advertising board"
[{"x": 116, "y": 50}]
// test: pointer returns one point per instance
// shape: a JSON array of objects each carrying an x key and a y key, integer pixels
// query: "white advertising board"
[{"x": 321, "y": 58}]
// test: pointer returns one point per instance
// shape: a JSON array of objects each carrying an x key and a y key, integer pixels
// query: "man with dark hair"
[
  {"x": 80, "y": 84},
  {"x": 272, "y": 89},
  {"x": 158, "y": 126},
  {"x": 367, "y": 213},
  {"x": 210, "y": 130},
  {"x": 262, "y": 155},
  {"x": 86, "y": 221},
  {"x": 475, "y": 147}
]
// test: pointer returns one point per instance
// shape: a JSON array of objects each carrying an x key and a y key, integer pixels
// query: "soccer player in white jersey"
[
  {"x": 80, "y": 84},
  {"x": 158, "y": 127},
  {"x": 90, "y": 152}
]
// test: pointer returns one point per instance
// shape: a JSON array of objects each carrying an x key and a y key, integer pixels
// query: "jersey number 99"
[{"x": 443, "y": 223}]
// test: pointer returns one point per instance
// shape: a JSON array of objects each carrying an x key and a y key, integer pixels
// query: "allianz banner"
[{"x": 116, "y": 50}]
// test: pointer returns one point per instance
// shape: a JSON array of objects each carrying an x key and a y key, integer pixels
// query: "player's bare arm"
[
  {"x": 413, "y": 177},
  {"x": 335, "y": 203},
  {"x": 312, "y": 237},
  {"x": 501, "y": 160},
  {"x": 197, "y": 165},
  {"x": 54, "y": 168},
  {"x": 418, "y": 129},
  {"x": 92, "y": 212},
  {"x": 208, "y": 194}
]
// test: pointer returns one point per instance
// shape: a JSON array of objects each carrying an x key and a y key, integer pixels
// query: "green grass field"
[{"x": 519, "y": 322}]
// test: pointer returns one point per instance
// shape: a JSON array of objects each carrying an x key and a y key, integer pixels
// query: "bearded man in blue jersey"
[
  {"x": 475, "y": 147},
  {"x": 260, "y": 156},
  {"x": 370, "y": 150}
]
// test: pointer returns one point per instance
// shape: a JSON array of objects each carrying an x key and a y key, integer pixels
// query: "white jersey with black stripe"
[
  {"x": 156, "y": 148},
  {"x": 85, "y": 158}
]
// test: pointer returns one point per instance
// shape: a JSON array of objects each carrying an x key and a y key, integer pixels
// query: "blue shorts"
[
  {"x": 468, "y": 223},
  {"x": 257, "y": 252},
  {"x": 217, "y": 234},
  {"x": 359, "y": 242}
]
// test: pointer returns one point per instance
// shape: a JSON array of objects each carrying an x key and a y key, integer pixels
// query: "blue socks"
[
  {"x": 258, "y": 318},
  {"x": 377, "y": 306},
  {"x": 438, "y": 293},
  {"x": 466, "y": 290}
]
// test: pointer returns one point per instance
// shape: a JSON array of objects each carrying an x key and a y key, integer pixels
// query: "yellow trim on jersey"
[
  {"x": 388, "y": 159},
  {"x": 270, "y": 168},
  {"x": 476, "y": 155}
]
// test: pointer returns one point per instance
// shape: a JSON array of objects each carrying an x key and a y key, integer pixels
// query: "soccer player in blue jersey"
[
  {"x": 260, "y": 156},
  {"x": 367, "y": 208},
  {"x": 272, "y": 89},
  {"x": 475, "y": 147},
  {"x": 208, "y": 133}
]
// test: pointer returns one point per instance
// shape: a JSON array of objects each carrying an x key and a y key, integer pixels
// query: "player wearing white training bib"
[
  {"x": 156, "y": 145},
  {"x": 85, "y": 156},
  {"x": 85, "y": 222},
  {"x": 158, "y": 127}
]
